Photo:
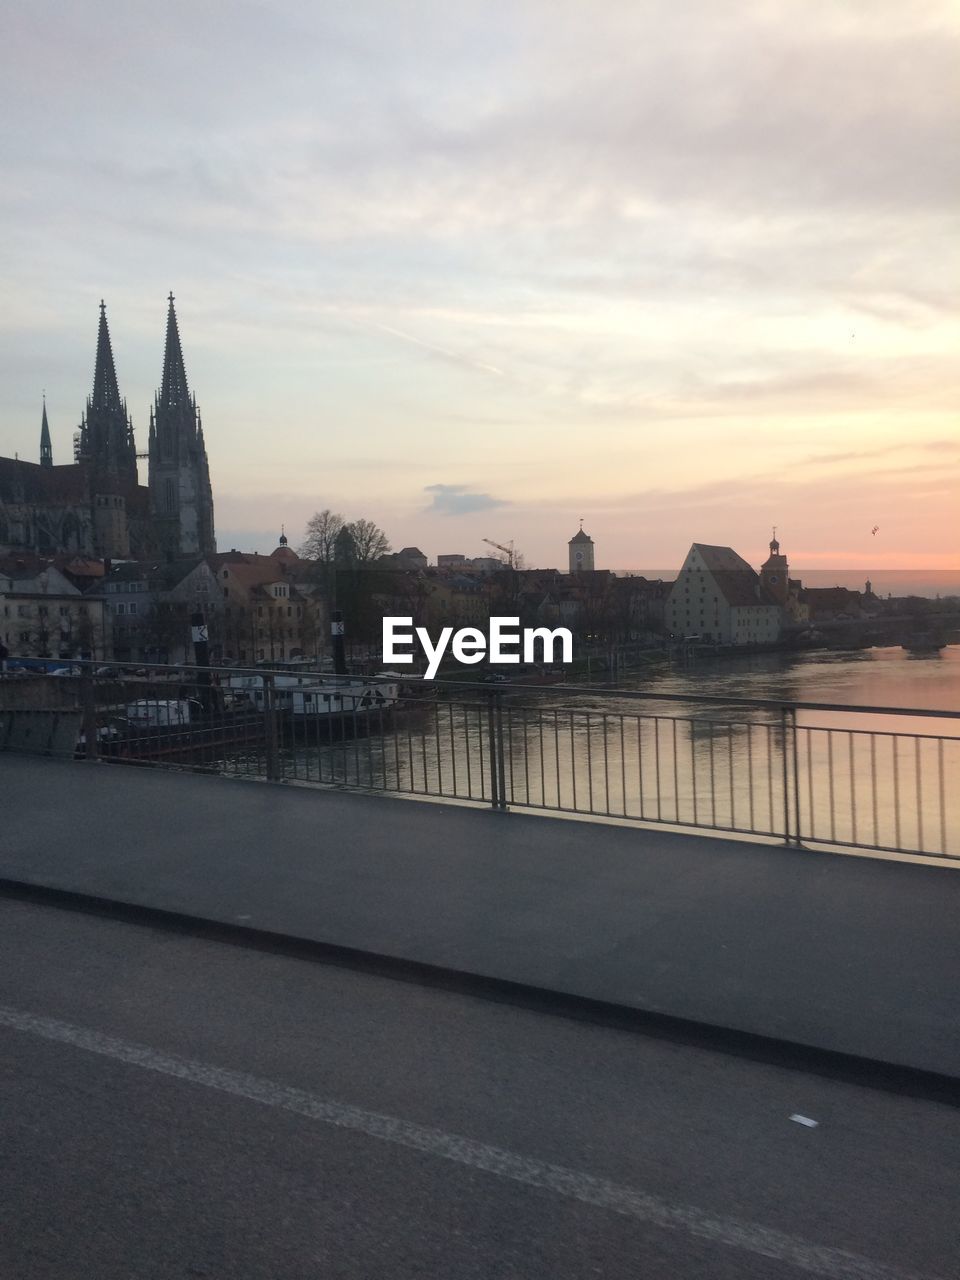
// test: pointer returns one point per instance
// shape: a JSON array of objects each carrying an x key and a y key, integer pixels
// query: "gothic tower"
[
  {"x": 106, "y": 432},
  {"x": 106, "y": 447},
  {"x": 181, "y": 499},
  {"x": 46, "y": 448},
  {"x": 774, "y": 572}
]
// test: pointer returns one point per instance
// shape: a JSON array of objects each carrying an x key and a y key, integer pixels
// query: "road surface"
[{"x": 173, "y": 1107}]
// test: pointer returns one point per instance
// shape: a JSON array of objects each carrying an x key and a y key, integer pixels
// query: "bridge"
[{"x": 584, "y": 1041}]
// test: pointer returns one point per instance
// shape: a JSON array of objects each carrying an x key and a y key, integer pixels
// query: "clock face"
[
  {"x": 579, "y": 555},
  {"x": 773, "y": 577}
]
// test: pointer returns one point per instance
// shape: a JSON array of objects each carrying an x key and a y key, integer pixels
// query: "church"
[{"x": 95, "y": 506}]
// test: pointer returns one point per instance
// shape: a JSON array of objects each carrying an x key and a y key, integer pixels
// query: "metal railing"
[{"x": 883, "y": 778}]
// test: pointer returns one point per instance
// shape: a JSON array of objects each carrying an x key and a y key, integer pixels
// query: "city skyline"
[{"x": 686, "y": 274}]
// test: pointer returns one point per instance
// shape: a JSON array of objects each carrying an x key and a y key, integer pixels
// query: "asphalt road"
[{"x": 177, "y": 1108}]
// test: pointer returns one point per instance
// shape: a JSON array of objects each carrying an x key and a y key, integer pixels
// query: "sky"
[{"x": 479, "y": 269}]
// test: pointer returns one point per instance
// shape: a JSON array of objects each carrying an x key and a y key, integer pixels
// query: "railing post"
[
  {"x": 791, "y": 785},
  {"x": 270, "y": 730},
  {"x": 501, "y": 754},
  {"x": 89, "y": 705},
  {"x": 492, "y": 747},
  {"x": 498, "y": 781},
  {"x": 795, "y": 746}
]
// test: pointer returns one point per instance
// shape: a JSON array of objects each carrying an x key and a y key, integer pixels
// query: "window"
[
  {"x": 121, "y": 609},
  {"x": 132, "y": 607}
]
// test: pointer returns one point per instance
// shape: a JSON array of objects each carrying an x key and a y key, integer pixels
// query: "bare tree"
[
  {"x": 369, "y": 541},
  {"x": 321, "y": 536}
]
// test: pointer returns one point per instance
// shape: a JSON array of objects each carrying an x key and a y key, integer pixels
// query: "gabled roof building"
[{"x": 720, "y": 599}]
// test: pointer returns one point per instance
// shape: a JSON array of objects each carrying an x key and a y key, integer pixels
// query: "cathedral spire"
[
  {"x": 106, "y": 433},
  {"x": 181, "y": 498},
  {"x": 46, "y": 449},
  {"x": 106, "y": 393},
  {"x": 173, "y": 386}
]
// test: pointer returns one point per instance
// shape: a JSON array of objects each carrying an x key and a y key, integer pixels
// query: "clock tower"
[
  {"x": 774, "y": 572},
  {"x": 580, "y": 549}
]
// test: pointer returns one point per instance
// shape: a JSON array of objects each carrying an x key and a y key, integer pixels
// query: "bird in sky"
[{"x": 875, "y": 530}]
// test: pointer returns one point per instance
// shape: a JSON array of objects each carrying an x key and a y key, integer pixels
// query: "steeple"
[
  {"x": 106, "y": 432},
  {"x": 173, "y": 386},
  {"x": 181, "y": 499},
  {"x": 774, "y": 572},
  {"x": 106, "y": 393},
  {"x": 46, "y": 449},
  {"x": 176, "y": 421}
]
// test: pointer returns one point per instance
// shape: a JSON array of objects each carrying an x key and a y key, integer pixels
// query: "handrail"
[{"x": 676, "y": 759}]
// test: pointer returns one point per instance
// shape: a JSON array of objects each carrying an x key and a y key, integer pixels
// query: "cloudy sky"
[{"x": 686, "y": 269}]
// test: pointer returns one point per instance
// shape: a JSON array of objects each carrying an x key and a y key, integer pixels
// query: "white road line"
[{"x": 835, "y": 1264}]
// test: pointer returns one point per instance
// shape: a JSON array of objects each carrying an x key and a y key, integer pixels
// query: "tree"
[
  {"x": 321, "y": 536},
  {"x": 326, "y": 530},
  {"x": 369, "y": 542}
]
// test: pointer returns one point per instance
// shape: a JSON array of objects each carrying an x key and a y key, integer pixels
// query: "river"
[{"x": 861, "y": 677}]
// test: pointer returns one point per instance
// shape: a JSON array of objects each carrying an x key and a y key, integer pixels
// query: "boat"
[
  {"x": 324, "y": 706},
  {"x": 175, "y": 730},
  {"x": 923, "y": 643}
]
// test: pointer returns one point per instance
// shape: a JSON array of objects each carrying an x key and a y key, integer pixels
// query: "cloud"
[
  {"x": 444, "y": 353},
  {"x": 457, "y": 500},
  {"x": 861, "y": 455},
  {"x": 641, "y": 235}
]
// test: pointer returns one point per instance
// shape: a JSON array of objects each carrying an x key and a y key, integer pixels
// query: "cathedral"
[{"x": 96, "y": 506}]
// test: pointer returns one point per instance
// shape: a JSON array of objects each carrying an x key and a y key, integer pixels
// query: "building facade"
[
  {"x": 719, "y": 599},
  {"x": 45, "y": 615},
  {"x": 149, "y": 606},
  {"x": 272, "y": 608}
]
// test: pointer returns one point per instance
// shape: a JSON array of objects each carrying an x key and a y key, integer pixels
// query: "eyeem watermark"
[{"x": 505, "y": 643}]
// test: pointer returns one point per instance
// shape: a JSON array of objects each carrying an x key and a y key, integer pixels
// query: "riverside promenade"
[{"x": 853, "y": 955}]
